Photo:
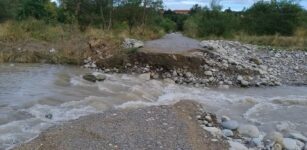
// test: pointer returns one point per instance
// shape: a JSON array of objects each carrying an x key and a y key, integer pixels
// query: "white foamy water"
[{"x": 30, "y": 92}]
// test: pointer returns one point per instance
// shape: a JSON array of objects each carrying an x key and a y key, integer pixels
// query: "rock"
[
  {"x": 216, "y": 132},
  {"x": 239, "y": 78},
  {"x": 89, "y": 77},
  {"x": 208, "y": 118},
  {"x": 298, "y": 136},
  {"x": 145, "y": 76},
  {"x": 169, "y": 81},
  {"x": 224, "y": 87},
  {"x": 225, "y": 118},
  {"x": 230, "y": 124},
  {"x": 277, "y": 146},
  {"x": 227, "y": 133},
  {"x": 292, "y": 144},
  {"x": 275, "y": 137},
  {"x": 132, "y": 43},
  {"x": 257, "y": 142},
  {"x": 188, "y": 74},
  {"x": 208, "y": 73},
  {"x": 244, "y": 83},
  {"x": 305, "y": 147},
  {"x": 100, "y": 77},
  {"x": 48, "y": 116},
  {"x": 257, "y": 61},
  {"x": 250, "y": 131},
  {"x": 236, "y": 146}
]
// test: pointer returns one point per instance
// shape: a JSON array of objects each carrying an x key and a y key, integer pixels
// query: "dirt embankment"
[{"x": 156, "y": 127}]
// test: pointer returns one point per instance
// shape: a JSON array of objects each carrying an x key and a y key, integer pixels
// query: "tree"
[
  {"x": 275, "y": 17},
  {"x": 38, "y": 9}
]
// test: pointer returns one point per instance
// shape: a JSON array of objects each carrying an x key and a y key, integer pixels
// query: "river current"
[{"x": 34, "y": 97}]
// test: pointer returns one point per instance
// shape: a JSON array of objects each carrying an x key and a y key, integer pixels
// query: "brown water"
[{"x": 30, "y": 92}]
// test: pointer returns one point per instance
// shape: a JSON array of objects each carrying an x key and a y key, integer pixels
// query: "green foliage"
[
  {"x": 208, "y": 22},
  {"x": 275, "y": 17},
  {"x": 38, "y": 9}
]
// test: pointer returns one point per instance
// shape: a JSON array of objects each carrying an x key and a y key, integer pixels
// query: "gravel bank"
[{"x": 157, "y": 127}]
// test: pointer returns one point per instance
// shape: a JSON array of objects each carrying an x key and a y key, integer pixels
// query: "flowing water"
[{"x": 30, "y": 92}]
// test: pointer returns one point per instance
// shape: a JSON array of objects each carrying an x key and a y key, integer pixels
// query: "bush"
[{"x": 270, "y": 18}]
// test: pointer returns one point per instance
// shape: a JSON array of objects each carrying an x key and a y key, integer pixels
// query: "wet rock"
[
  {"x": 132, "y": 43},
  {"x": 256, "y": 142},
  {"x": 230, "y": 124},
  {"x": 145, "y": 76},
  {"x": 225, "y": 118},
  {"x": 100, "y": 77},
  {"x": 48, "y": 116},
  {"x": 298, "y": 136},
  {"x": 250, "y": 131},
  {"x": 89, "y": 77},
  {"x": 227, "y": 133},
  {"x": 292, "y": 144},
  {"x": 236, "y": 146}
]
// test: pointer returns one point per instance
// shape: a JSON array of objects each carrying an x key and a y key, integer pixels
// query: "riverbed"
[{"x": 34, "y": 97}]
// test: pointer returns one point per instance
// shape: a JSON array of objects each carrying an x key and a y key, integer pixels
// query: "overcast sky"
[{"x": 233, "y": 4}]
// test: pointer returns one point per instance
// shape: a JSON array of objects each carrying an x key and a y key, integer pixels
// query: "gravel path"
[
  {"x": 172, "y": 43},
  {"x": 158, "y": 127}
]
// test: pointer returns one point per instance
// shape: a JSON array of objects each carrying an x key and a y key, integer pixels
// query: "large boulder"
[
  {"x": 132, "y": 43},
  {"x": 89, "y": 77}
]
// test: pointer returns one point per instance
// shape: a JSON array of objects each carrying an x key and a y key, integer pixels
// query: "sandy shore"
[{"x": 156, "y": 127}]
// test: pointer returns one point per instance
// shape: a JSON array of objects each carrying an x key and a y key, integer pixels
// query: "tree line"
[{"x": 282, "y": 17}]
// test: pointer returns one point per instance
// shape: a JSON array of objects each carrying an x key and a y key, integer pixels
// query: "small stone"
[
  {"x": 145, "y": 76},
  {"x": 216, "y": 132},
  {"x": 169, "y": 81},
  {"x": 239, "y": 78},
  {"x": 227, "y": 133},
  {"x": 188, "y": 74},
  {"x": 230, "y": 124},
  {"x": 208, "y": 73},
  {"x": 208, "y": 118},
  {"x": 244, "y": 83},
  {"x": 236, "y": 146},
  {"x": 250, "y": 131},
  {"x": 257, "y": 142},
  {"x": 48, "y": 116},
  {"x": 277, "y": 146},
  {"x": 224, "y": 87},
  {"x": 214, "y": 140}
]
